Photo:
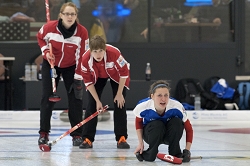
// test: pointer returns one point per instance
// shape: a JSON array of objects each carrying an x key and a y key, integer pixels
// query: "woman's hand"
[
  {"x": 139, "y": 148},
  {"x": 99, "y": 106},
  {"x": 119, "y": 100},
  {"x": 50, "y": 58}
]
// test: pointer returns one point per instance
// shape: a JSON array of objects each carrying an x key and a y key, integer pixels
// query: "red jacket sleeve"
[
  {"x": 138, "y": 123},
  {"x": 189, "y": 131},
  {"x": 83, "y": 46},
  {"x": 122, "y": 65},
  {"x": 42, "y": 41},
  {"x": 88, "y": 78}
]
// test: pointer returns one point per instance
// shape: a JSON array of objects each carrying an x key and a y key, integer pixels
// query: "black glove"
[
  {"x": 78, "y": 88},
  {"x": 186, "y": 155}
]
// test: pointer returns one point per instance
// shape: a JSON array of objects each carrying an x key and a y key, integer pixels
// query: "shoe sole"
[
  {"x": 123, "y": 148},
  {"x": 85, "y": 147},
  {"x": 77, "y": 144}
]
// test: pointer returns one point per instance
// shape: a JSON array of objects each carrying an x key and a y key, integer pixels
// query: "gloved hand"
[
  {"x": 186, "y": 155},
  {"x": 78, "y": 88}
]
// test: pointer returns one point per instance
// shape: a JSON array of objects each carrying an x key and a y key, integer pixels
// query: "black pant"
[
  {"x": 75, "y": 112},
  {"x": 120, "y": 115},
  {"x": 156, "y": 133}
]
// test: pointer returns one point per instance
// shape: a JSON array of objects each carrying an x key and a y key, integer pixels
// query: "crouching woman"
[{"x": 161, "y": 120}]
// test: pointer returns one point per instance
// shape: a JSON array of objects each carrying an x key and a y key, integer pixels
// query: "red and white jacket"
[
  {"x": 115, "y": 66},
  {"x": 67, "y": 51}
]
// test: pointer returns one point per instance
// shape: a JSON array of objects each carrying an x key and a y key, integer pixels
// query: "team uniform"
[
  {"x": 68, "y": 46},
  {"x": 113, "y": 66},
  {"x": 162, "y": 129}
]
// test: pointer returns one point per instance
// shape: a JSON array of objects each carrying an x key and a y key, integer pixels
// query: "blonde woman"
[{"x": 69, "y": 41}]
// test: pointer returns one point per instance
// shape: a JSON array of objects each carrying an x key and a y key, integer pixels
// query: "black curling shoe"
[{"x": 43, "y": 138}]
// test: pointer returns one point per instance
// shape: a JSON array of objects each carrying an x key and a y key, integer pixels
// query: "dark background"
[{"x": 170, "y": 61}]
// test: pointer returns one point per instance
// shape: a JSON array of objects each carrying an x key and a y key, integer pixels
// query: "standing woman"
[
  {"x": 161, "y": 120},
  {"x": 69, "y": 41},
  {"x": 103, "y": 62}
]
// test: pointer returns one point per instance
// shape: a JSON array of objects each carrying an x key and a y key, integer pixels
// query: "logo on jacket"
[
  {"x": 121, "y": 61},
  {"x": 109, "y": 64}
]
